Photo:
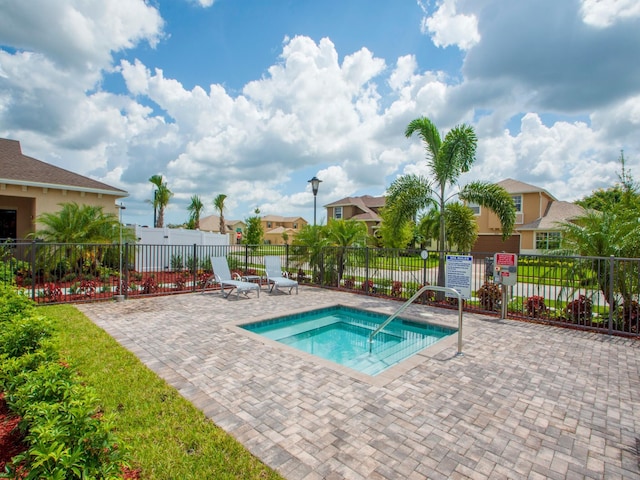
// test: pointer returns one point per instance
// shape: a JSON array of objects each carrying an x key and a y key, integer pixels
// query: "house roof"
[
  {"x": 366, "y": 200},
  {"x": 278, "y": 218},
  {"x": 365, "y": 203},
  {"x": 211, "y": 223},
  {"x": 515, "y": 186},
  {"x": 19, "y": 169},
  {"x": 556, "y": 213}
]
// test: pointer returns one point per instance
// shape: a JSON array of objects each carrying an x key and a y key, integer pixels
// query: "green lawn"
[{"x": 168, "y": 437}]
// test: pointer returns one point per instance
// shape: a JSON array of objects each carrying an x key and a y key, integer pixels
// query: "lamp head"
[{"x": 315, "y": 183}]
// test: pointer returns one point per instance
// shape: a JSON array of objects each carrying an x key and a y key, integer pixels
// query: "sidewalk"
[{"x": 524, "y": 401}]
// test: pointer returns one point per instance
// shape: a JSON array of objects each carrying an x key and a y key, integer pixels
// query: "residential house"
[
  {"x": 235, "y": 228},
  {"x": 30, "y": 187},
  {"x": 365, "y": 209},
  {"x": 538, "y": 215},
  {"x": 276, "y": 228}
]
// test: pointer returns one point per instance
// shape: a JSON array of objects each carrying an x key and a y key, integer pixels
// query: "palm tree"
[
  {"x": 75, "y": 223},
  {"x": 448, "y": 159},
  {"x": 78, "y": 227},
  {"x": 308, "y": 246},
  {"x": 195, "y": 209},
  {"x": 161, "y": 197},
  {"x": 218, "y": 203},
  {"x": 344, "y": 234}
]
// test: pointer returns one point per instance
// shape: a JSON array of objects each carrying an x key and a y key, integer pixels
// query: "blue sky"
[{"x": 253, "y": 98}]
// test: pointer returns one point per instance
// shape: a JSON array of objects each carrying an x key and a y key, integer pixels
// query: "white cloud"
[
  {"x": 553, "y": 117},
  {"x": 448, "y": 27},
  {"x": 605, "y": 13}
]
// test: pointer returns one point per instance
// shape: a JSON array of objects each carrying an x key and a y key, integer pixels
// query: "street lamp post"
[
  {"x": 120, "y": 295},
  {"x": 315, "y": 183}
]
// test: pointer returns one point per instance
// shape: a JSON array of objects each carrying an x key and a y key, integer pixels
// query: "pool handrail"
[{"x": 411, "y": 300}]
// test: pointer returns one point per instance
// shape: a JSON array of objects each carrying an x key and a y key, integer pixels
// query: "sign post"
[{"x": 505, "y": 273}]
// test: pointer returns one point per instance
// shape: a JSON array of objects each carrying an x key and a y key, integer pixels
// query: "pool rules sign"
[{"x": 458, "y": 274}]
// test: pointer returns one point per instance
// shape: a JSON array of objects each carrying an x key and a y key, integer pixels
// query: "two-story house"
[
  {"x": 275, "y": 227},
  {"x": 365, "y": 209},
  {"x": 234, "y": 228},
  {"x": 30, "y": 187},
  {"x": 536, "y": 229}
]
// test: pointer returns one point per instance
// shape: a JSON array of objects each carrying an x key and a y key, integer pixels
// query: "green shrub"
[{"x": 66, "y": 434}]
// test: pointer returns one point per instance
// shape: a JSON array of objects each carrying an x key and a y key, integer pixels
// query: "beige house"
[
  {"x": 30, "y": 187},
  {"x": 538, "y": 215},
  {"x": 275, "y": 226},
  {"x": 365, "y": 209},
  {"x": 235, "y": 228}
]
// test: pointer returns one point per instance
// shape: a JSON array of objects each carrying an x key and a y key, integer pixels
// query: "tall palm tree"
[
  {"x": 195, "y": 209},
  {"x": 448, "y": 159},
  {"x": 218, "y": 203},
  {"x": 161, "y": 197}
]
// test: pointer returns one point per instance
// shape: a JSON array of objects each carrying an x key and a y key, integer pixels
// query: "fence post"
[
  {"x": 125, "y": 272},
  {"x": 611, "y": 284},
  {"x": 195, "y": 266},
  {"x": 33, "y": 270},
  {"x": 366, "y": 268}
]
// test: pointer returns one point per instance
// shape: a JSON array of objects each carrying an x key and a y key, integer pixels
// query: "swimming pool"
[{"x": 341, "y": 334}]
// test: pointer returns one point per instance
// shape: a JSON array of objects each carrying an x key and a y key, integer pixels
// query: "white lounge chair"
[
  {"x": 275, "y": 278},
  {"x": 223, "y": 277}
]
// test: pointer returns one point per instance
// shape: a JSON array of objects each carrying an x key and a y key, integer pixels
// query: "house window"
[
  {"x": 547, "y": 240},
  {"x": 475, "y": 208},
  {"x": 517, "y": 201},
  {"x": 295, "y": 225},
  {"x": 337, "y": 212},
  {"x": 268, "y": 224}
]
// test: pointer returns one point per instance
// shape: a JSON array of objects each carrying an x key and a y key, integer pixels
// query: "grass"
[{"x": 168, "y": 437}]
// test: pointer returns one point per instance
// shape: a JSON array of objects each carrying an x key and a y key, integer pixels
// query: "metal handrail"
[{"x": 411, "y": 300}]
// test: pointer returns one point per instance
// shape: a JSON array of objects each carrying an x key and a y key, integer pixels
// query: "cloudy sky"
[{"x": 252, "y": 98}]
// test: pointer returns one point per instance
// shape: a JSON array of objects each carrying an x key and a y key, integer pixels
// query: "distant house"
[
  {"x": 235, "y": 228},
  {"x": 538, "y": 215},
  {"x": 30, "y": 187},
  {"x": 365, "y": 209},
  {"x": 275, "y": 226}
]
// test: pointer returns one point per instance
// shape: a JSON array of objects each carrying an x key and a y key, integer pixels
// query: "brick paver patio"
[{"x": 524, "y": 401}]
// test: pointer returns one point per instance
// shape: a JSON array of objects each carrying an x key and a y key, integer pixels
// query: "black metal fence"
[{"x": 595, "y": 293}]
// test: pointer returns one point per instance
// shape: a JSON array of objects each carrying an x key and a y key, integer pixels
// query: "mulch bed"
[{"x": 11, "y": 443}]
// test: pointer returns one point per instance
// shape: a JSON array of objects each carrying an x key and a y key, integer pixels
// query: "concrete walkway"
[{"x": 524, "y": 401}]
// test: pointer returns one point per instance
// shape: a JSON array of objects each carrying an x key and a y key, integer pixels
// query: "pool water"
[{"x": 341, "y": 334}]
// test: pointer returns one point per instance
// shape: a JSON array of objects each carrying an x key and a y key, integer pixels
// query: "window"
[
  {"x": 474, "y": 207},
  {"x": 268, "y": 224},
  {"x": 517, "y": 201},
  {"x": 337, "y": 212},
  {"x": 295, "y": 225},
  {"x": 547, "y": 240}
]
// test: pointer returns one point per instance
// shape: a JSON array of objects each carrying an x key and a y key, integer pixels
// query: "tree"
[
  {"x": 75, "y": 223},
  {"x": 611, "y": 230},
  {"x": 447, "y": 160},
  {"x": 218, "y": 203},
  {"x": 308, "y": 246},
  {"x": 76, "y": 226},
  {"x": 195, "y": 209},
  {"x": 344, "y": 234},
  {"x": 254, "y": 231},
  {"x": 161, "y": 197},
  {"x": 395, "y": 235},
  {"x": 462, "y": 227}
]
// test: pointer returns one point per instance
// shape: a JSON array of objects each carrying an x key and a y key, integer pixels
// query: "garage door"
[{"x": 494, "y": 243}]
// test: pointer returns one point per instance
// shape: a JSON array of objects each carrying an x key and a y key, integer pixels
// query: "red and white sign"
[{"x": 506, "y": 268}]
